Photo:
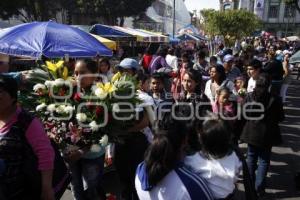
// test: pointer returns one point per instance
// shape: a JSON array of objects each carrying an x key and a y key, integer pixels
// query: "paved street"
[{"x": 285, "y": 159}]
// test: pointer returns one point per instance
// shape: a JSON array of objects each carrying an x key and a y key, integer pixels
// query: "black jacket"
[
  {"x": 275, "y": 69},
  {"x": 265, "y": 132}
]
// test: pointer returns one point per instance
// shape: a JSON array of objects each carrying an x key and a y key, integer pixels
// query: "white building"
[
  {"x": 278, "y": 17},
  {"x": 159, "y": 17}
]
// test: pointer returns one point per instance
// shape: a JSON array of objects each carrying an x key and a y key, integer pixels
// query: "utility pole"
[
  {"x": 287, "y": 24},
  {"x": 174, "y": 23}
]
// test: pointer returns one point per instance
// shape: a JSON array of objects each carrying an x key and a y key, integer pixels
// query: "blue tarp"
[
  {"x": 191, "y": 29},
  {"x": 187, "y": 36},
  {"x": 200, "y": 37},
  {"x": 173, "y": 40},
  {"x": 107, "y": 31},
  {"x": 51, "y": 40}
]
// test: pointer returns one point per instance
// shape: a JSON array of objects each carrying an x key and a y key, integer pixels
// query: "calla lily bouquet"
[
  {"x": 73, "y": 118},
  {"x": 110, "y": 107}
]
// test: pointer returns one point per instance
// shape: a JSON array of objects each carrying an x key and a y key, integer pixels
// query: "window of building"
[
  {"x": 289, "y": 11},
  {"x": 274, "y": 11},
  {"x": 227, "y": 6}
]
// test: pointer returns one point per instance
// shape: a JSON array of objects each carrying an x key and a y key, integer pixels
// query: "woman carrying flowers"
[{"x": 86, "y": 164}]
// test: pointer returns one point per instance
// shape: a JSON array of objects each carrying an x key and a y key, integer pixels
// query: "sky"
[{"x": 201, "y": 4}]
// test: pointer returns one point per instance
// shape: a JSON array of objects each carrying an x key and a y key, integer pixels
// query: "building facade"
[
  {"x": 279, "y": 18},
  {"x": 159, "y": 17}
]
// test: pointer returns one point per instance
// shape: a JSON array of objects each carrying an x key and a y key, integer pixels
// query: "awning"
[
  {"x": 109, "y": 43},
  {"x": 108, "y": 31},
  {"x": 161, "y": 38},
  {"x": 142, "y": 36},
  {"x": 187, "y": 36}
]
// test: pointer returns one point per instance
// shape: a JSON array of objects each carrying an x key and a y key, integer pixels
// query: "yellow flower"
[
  {"x": 102, "y": 90},
  {"x": 58, "y": 69},
  {"x": 54, "y": 66},
  {"x": 116, "y": 77},
  {"x": 65, "y": 73}
]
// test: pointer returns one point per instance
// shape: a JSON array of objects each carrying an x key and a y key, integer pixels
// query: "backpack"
[{"x": 61, "y": 176}]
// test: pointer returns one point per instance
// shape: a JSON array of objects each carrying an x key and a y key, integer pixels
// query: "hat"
[
  {"x": 286, "y": 52},
  {"x": 228, "y": 58},
  {"x": 9, "y": 84},
  {"x": 278, "y": 52},
  {"x": 129, "y": 63}
]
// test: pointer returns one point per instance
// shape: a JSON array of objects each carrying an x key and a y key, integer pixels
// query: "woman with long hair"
[
  {"x": 192, "y": 103},
  {"x": 86, "y": 166},
  {"x": 218, "y": 80},
  {"x": 163, "y": 168}
]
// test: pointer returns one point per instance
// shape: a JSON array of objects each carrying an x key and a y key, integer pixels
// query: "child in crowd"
[
  {"x": 216, "y": 162},
  {"x": 239, "y": 87},
  {"x": 223, "y": 105},
  {"x": 104, "y": 70},
  {"x": 157, "y": 90}
]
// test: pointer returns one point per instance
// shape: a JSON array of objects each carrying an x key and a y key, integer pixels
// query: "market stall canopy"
[
  {"x": 295, "y": 58},
  {"x": 142, "y": 36},
  {"x": 186, "y": 36},
  {"x": 161, "y": 38},
  {"x": 50, "y": 39},
  {"x": 190, "y": 29},
  {"x": 174, "y": 40},
  {"x": 108, "y": 31},
  {"x": 109, "y": 43}
]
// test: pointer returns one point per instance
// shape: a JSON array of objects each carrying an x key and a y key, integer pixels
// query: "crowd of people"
[{"x": 195, "y": 112}]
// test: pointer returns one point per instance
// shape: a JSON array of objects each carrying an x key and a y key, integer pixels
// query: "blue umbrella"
[{"x": 51, "y": 40}]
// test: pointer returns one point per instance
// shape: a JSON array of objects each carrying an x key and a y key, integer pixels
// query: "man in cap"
[
  {"x": 129, "y": 66},
  {"x": 231, "y": 72}
]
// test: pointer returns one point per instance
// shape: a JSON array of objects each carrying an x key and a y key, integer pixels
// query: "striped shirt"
[{"x": 179, "y": 184}]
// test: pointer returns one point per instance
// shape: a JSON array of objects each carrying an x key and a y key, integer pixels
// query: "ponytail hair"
[{"x": 164, "y": 153}]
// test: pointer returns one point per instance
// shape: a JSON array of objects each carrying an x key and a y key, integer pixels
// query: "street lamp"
[{"x": 289, "y": 17}]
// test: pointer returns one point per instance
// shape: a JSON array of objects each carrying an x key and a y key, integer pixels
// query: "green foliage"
[
  {"x": 43, "y": 10},
  {"x": 110, "y": 10},
  {"x": 30, "y": 10},
  {"x": 232, "y": 24},
  {"x": 293, "y": 3}
]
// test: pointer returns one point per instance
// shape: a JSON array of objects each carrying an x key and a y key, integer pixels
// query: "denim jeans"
[
  {"x": 263, "y": 156},
  {"x": 86, "y": 178}
]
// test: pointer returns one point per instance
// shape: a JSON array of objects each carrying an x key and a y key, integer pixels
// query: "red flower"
[
  {"x": 90, "y": 105},
  {"x": 77, "y": 97},
  {"x": 61, "y": 92},
  {"x": 99, "y": 110},
  {"x": 111, "y": 197}
]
